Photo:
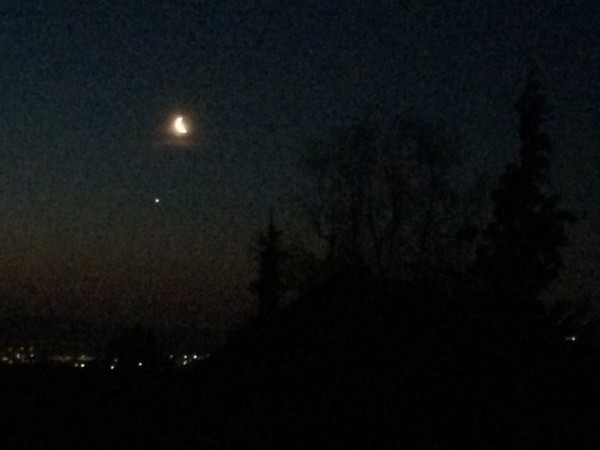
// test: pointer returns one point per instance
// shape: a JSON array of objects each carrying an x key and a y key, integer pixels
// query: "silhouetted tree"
[
  {"x": 339, "y": 168},
  {"x": 384, "y": 196},
  {"x": 520, "y": 253},
  {"x": 268, "y": 287}
]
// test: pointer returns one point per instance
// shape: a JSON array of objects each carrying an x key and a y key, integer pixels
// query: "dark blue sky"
[{"x": 88, "y": 91}]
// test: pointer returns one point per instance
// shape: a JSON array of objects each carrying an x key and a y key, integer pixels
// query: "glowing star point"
[{"x": 179, "y": 126}]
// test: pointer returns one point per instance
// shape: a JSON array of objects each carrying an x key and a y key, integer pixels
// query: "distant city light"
[
  {"x": 27, "y": 355},
  {"x": 61, "y": 358}
]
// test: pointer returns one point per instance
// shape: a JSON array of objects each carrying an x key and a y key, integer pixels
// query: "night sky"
[{"x": 88, "y": 94}]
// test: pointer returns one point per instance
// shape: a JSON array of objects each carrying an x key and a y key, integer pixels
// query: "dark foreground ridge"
[{"x": 371, "y": 378}]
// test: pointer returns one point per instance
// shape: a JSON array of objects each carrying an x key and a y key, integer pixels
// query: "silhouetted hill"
[
  {"x": 357, "y": 369},
  {"x": 345, "y": 366}
]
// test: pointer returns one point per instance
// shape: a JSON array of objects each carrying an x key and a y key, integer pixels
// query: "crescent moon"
[{"x": 180, "y": 126}]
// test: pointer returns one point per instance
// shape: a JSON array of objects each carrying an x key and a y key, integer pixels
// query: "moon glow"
[{"x": 179, "y": 126}]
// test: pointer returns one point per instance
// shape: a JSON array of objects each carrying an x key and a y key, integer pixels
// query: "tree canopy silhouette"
[
  {"x": 384, "y": 195},
  {"x": 520, "y": 252},
  {"x": 268, "y": 287}
]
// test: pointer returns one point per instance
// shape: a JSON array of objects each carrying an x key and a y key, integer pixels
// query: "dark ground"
[
  {"x": 330, "y": 395},
  {"x": 335, "y": 370}
]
